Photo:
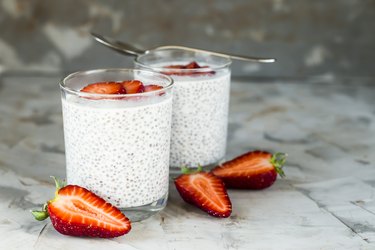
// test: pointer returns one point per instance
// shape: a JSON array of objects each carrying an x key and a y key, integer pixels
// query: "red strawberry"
[
  {"x": 76, "y": 211},
  {"x": 206, "y": 72},
  {"x": 133, "y": 86},
  {"x": 191, "y": 65},
  {"x": 179, "y": 66},
  {"x": 205, "y": 191},
  {"x": 253, "y": 170},
  {"x": 152, "y": 87},
  {"x": 104, "y": 88}
]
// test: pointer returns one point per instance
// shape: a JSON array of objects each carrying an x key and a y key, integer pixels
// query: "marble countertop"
[{"x": 327, "y": 126}]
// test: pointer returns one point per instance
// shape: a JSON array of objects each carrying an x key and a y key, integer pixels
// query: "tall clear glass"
[
  {"x": 200, "y": 105},
  {"x": 118, "y": 145}
]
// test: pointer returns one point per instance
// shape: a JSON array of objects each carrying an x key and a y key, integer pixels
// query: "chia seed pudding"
[
  {"x": 119, "y": 147},
  {"x": 200, "y": 108},
  {"x": 200, "y": 119}
]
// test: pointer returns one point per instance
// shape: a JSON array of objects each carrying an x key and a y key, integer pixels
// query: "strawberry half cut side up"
[
  {"x": 205, "y": 191},
  {"x": 253, "y": 170},
  {"x": 76, "y": 211}
]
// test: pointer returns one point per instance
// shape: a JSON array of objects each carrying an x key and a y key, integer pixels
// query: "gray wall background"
[{"x": 308, "y": 37}]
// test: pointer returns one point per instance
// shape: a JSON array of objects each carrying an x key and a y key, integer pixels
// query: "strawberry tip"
[{"x": 278, "y": 161}]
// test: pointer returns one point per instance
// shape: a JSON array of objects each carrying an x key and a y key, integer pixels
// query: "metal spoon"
[{"x": 131, "y": 50}]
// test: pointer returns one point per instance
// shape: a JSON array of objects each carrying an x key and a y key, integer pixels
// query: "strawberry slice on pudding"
[
  {"x": 152, "y": 87},
  {"x": 133, "y": 86},
  {"x": 104, "y": 88},
  {"x": 190, "y": 65}
]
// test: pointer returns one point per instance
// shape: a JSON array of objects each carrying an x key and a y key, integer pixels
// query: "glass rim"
[
  {"x": 227, "y": 63},
  {"x": 62, "y": 83}
]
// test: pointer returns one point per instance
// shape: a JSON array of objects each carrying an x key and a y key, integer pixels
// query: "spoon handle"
[
  {"x": 128, "y": 49},
  {"x": 232, "y": 56}
]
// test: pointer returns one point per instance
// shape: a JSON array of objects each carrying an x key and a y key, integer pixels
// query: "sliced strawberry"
[
  {"x": 179, "y": 66},
  {"x": 133, "y": 86},
  {"x": 191, "y": 65},
  {"x": 205, "y": 191},
  {"x": 152, "y": 87},
  {"x": 253, "y": 170},
  {"x": 76, "y": 211},
  {"x": 104, "y": 88}
]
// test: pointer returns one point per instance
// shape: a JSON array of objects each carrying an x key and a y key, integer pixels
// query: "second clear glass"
[{"x": 200, "y": 105}]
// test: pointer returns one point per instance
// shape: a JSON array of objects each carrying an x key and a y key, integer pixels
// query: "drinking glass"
[
  {"x": 118, "y": 145},
  {"x": 200, "y": 105}
]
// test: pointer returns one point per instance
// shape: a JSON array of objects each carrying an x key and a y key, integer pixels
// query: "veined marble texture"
[{"x": 325, "y": 202}]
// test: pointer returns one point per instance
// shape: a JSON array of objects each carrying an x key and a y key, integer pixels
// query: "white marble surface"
[{"x": 326, "y": 201}]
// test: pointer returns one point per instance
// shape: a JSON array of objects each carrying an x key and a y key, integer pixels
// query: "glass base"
[{"x": 143, "y": 212}]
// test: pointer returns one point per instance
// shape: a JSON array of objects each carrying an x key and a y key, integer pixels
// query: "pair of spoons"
[{"x": 130, "y": 50}]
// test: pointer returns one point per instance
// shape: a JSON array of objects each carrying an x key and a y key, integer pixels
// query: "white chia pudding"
[
  {"x": 200, "y": 119},
  {"x": 200, "y": 115},
  {"x": 119, "y": 149}
]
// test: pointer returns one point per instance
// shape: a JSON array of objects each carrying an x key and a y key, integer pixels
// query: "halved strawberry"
[
  {"x": 253, "y": 170},
  {"x": 152, "y": 87},
  {"x": 104, "y": 88},
  {"x": 205, "y": 191},
  {"x": 76, "y": 211},
  {"x": 133, "y": 86}
]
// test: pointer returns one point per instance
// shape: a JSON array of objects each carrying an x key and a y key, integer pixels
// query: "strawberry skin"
[
  {"x": 133, "y": 86},
  {"x": 104, "y": 88},
  {"x": 252, "y": 170},
  {"x": 205, "y": 191},
  {"x": 76, "y": 211}
]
